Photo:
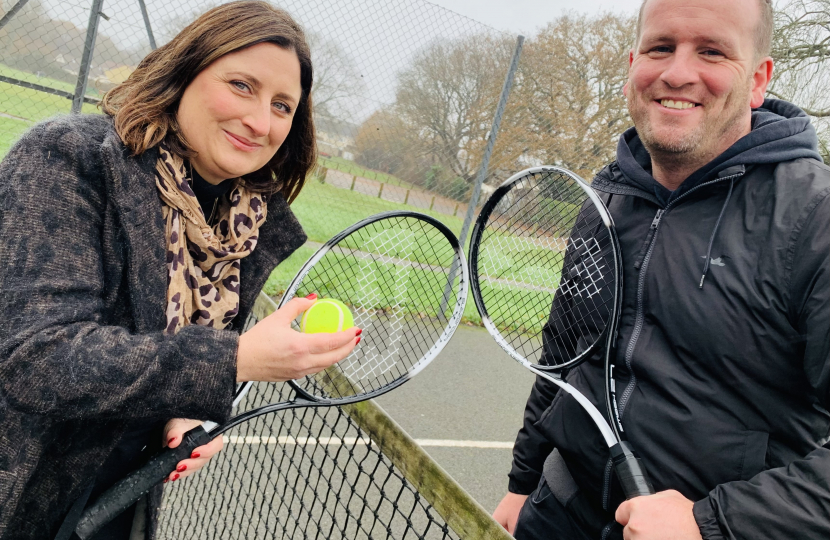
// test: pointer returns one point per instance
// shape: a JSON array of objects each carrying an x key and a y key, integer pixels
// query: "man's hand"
[
  {"x": 507, "y": 512},
  {"x": 664, "y": 516}
]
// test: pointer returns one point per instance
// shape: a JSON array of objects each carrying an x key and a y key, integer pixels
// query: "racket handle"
[
  {"x": 130, "y": 488},
  {"x": 630, "y": 471}
]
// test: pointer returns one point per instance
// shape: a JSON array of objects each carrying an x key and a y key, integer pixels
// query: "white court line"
[{"x": 337, "y": 441}]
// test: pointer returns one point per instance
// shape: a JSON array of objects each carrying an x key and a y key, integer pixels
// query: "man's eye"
[
  {"x": 712, "y": 52},
  {"x": 661, "y": 49}
]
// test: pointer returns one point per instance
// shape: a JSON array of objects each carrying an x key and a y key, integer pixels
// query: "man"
[{"x": 722, "y": 207}]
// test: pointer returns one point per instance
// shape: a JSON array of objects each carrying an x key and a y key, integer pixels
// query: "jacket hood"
[{"x": 780, "y": 132}]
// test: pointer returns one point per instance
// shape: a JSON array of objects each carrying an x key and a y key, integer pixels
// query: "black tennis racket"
[
  {"x": 545, "y": 274},
  {"x": 405, "y": 278}
]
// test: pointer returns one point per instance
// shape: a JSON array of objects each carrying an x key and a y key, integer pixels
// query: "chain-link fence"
[{"x": 385, "y": 143}]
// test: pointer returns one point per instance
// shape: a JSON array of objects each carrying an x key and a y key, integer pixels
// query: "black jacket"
[
  {"x": 82, "y": 297},
  {"x": 724, "y": 387}
]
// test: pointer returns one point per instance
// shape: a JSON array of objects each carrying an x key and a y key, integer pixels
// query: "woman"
[{"x": 134, "y": 245}]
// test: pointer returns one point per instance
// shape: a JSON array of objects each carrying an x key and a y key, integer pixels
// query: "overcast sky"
[{"x": 526, "y": 16}]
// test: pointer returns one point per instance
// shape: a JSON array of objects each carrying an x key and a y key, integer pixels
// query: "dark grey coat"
[{"x": 82, "y": 298}]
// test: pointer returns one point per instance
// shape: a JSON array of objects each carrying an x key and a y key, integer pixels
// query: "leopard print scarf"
[{"x": 203, "y": 262}]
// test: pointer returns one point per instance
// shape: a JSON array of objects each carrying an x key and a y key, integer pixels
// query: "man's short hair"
[{"x": 763, "y": 32}]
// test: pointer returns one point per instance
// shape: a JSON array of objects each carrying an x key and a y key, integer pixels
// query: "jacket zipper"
[{"x": 639, "y": 318}]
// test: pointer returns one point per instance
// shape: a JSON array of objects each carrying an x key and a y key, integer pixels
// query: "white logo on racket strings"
[
  {"x": 391, "y": 245},
  {"x": 585, "y": 277}
]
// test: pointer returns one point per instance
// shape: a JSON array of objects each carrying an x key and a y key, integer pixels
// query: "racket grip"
[
  {"x": 630, "y": 471},
  {"x": 130, "y": 488}
]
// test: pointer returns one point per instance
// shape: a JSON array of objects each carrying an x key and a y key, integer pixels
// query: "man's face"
[{"x": 694, "y": 77}]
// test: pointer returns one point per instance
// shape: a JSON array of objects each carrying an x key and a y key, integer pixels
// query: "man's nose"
[{"x": 682, "y": 69}]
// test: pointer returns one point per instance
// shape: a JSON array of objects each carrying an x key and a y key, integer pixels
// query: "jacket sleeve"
[
  {"x": 59, "y": 357},
  {"x": 532, "y": 446},
  {"x": 791, "y": 501}
]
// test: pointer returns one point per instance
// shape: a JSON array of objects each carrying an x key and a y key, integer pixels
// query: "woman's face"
[{"x": 238, "y": 111}]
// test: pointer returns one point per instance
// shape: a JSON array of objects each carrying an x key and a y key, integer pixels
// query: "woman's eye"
[
  {"x": 282, "y": 107},
  {"x": 239, "y": 85}
]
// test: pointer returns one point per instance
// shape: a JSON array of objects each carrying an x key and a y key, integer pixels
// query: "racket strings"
[
  {"x": 545, "y": 271},
  {"x": 401, "y": 280}
]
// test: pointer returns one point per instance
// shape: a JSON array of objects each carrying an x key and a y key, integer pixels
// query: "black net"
[
  {"x": 299, "y": 474},
  {"x": 546, "y": 268}
]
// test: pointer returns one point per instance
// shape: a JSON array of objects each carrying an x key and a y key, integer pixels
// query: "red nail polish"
[
  {"x": 359, "y": 331},
  {"x": 165, "y": 480},
  {"x": 358, "y": 341},
  {"x": 181, "y": 468},
  {"x": 175, "y": 477},
  {"x": 312, "y": 296},
  {"x": 194, "y": 455}
]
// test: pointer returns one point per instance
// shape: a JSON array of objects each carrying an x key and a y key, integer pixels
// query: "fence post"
[
  {"x": 86, "y": 59},
  {"x": 406, "y": 198},
  {"x": 147, "y": 24},
  {"x": 381, "y": 189},
  {"x": 454, "y": 212},
  {"x": 354, "y": 179},
  {"x": 491, "y": 141},
  {"x": 12, "y": 12},
  {"x": 485, "y": 162},
  {"x": 432, "y": 202}
]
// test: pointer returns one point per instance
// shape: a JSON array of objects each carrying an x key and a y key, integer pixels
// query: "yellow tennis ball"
[{"x": 326, "y": 315}]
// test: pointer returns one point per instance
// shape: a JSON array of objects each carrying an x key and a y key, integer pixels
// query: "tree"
[
  {"x": 338, "y": 84},
  {"x": 801, "y": 50},
  {"x": 568, "y": 108},
  {"x": 447, "y": 98}
]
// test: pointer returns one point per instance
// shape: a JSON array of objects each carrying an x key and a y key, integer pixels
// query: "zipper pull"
[{"x": 656, "y": 221}]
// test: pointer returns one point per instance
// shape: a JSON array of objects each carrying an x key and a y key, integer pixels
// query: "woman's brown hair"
[{"x": 144, "y": 106}]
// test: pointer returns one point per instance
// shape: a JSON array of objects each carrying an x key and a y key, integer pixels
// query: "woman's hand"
[
  {"x": 272, "y": 351},
  {"x": 173, "y": 433}
]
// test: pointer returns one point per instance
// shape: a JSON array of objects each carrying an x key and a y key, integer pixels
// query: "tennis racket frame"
[{"x": 630, "y": 470}]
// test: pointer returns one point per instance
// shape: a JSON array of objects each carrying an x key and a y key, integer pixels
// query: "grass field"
[
  {"x": 28, "y": 106},
  {"x": 350, "y": 167}
]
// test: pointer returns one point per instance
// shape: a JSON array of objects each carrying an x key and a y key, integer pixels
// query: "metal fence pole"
[
  {"x": 147, "y": 24},
  {"x": 86, "y": 59},
  {"x": 485, "y": 162},
  {"x": 12, "y": 12},
  {"x": 491, "y": 141}
]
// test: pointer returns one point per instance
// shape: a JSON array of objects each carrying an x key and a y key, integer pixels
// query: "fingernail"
[
  {"x": 358, "y": 341},
  {"x": 181, "y": 468},
  {"x": 194, "y": 455},
  {"x": 359, "y": 331},
  {"x": 171, "y": 439},
  {"x": 175, "y": 477},
  {"x": 311, "y": 296}
]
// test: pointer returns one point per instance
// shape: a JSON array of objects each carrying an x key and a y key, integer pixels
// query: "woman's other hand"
[
  {"x": 272, "y": 351},
  {"x": 174, "y": 431}
]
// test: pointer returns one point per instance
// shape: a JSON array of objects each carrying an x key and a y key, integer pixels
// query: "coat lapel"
[{"x": 139, "y": 209}]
